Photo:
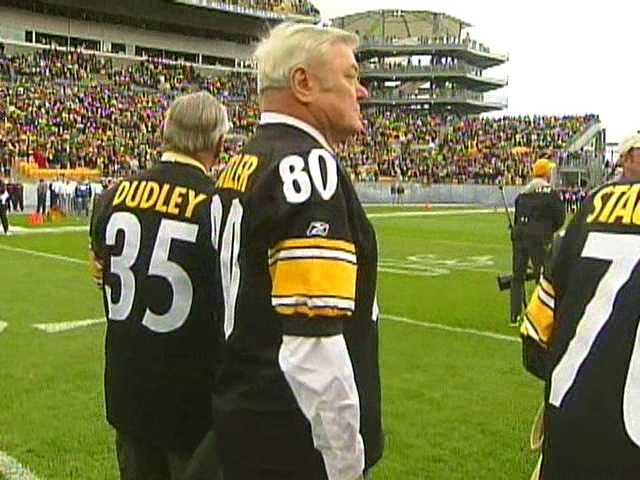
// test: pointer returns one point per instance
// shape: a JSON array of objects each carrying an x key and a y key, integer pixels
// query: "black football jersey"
[
  {"x": 152, "y": 234},
  {"x": 299, "y": 257},
  {"x": 585, "y": 313}
]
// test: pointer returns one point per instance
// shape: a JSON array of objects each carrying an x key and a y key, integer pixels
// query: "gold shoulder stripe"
[
  {"x": 314, "y": 277},
  {"x": 95, "y": 268},
  {"x": 315, "y": 242},
  {"x": 540, "y": 317},
  {"x": 545, "y": 298},
  {"x": 527, "y": 329},
  {"x": 548, "y": 288},
  {"x": 319, "y": 253},
  {"x": 313, "y": 311}
]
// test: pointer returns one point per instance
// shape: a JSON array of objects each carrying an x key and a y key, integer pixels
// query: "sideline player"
[
  {"x": 151, "y": 238},
  {"x": 581, "y": 336},
  {"x": 299, "y": 391}
]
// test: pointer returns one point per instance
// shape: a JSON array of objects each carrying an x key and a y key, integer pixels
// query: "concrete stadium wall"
[
  {"x": 13, "y": 24},
  {"x": 415, "y": 193},
  {"x": 380, "y": 193}
]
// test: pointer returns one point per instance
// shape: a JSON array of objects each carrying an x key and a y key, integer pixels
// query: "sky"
[{"x": 565, "y": 56}]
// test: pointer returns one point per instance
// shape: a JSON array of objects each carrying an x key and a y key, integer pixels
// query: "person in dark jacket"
[{"x": 539, "y": 214}]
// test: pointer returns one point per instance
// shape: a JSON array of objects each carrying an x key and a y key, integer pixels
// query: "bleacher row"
[{"x": 69, "y": 110}]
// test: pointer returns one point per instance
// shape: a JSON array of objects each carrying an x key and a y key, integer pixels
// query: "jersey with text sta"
[
  {"x": 299, "y": 257},
  {"x": 593, "y": 389},
  {"x": 161, "y": 294}
]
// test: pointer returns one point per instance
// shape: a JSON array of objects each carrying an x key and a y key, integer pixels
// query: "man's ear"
[
  {"x": 302, "y": 85},
  {"x": 218, "y": 150}
]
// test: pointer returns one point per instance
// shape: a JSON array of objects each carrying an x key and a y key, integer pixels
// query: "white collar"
[{"x": 267, "y": 118}]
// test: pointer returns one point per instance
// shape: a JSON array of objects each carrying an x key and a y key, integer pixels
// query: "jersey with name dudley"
[
  {"x": 152, "y": 235},
  {"x": 301, "y": 260}
]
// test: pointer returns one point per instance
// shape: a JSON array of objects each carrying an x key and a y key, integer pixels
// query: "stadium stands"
[
  {"x": 75, "y": 110},
  {"x": 298, "y": 7}
]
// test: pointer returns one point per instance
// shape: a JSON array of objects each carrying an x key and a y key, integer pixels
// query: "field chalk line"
[
  {"x": 447, "y": 328},
  {"x": 66, "y": 326},
  {"x": 43, "y": 254},
  {"x": 11, "y": 469}
]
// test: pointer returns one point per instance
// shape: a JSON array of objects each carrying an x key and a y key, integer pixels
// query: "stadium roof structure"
[
  {"x": 400, "y": 24},
  {"x": 423, "y": 59},
  {"x": 190, "y": 17}
]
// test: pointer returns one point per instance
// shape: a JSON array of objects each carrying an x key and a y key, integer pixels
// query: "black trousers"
[
  {"x": 267, "y": 446},
  {"x": 138, "y": 459},
  {"x": 524, "y": 250},
  {"x": 4, "y": 219},
  {"x": 42, "y": 204}
]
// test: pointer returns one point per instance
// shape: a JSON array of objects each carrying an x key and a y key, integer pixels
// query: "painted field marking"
[
  {"x": 431, "y": 265},
  {"x": 11, "y": 469},
  {"x": 447, "y": 328},
  {"x": 32, "y": 231},
  {"x": 66, "y": 326},
  {"x": 43, "y": 254},
  {"x": 3, "y": 325}
]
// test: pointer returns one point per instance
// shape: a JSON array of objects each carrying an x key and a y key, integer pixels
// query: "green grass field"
[{"x": 457, "y": 403}]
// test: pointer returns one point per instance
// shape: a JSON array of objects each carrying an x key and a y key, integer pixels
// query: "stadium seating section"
[
  {"x": 285, "y": 7},
  {"x": 72, "y": 110}
]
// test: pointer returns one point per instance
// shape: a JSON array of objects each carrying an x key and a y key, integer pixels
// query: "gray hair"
[
  {"x": 194, "y": 123},
  {"x": 291, "y": 45}
]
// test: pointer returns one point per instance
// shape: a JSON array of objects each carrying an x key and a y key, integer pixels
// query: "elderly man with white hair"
[
  {"x": 158, "y": 269},
  {"x": 299, "y": 392},
  {"x": 629, "y": 156}
]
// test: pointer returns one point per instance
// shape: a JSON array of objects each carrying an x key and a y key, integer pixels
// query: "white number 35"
[{"x": 297, "y": 181}]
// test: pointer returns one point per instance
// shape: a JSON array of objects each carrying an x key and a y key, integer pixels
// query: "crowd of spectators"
[
  {"x": 69, "y": 109},
  {"x": 299, "y": 7},
  {"x": 412, "y": 145}
]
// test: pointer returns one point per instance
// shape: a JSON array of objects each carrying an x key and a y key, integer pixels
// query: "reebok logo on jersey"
[{"x": 318, "y": 229}]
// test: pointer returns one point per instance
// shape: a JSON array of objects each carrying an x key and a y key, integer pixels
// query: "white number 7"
[{"x": 623, "y": 251}]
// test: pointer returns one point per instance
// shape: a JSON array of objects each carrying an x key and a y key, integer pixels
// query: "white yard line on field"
[
  {"x": 43, "y": 254},
  {"x": 11, "y": 469},
  {"x": 66, "y": 326},
  {"x": 3, "y": 325},
  {"x": 389, "y": 317},
  {"x": 32, "y": 231},
  {"x": 447, "y": 328}
]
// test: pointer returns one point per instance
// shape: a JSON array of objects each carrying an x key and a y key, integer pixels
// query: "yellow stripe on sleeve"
[
  {"x": 95, "y": 268},
  {"x": 315, "y": 242},
  {"x": 547, "y": 287},
  {"x": 540, "y": 316},
  {"x": 312, "y": 311},
  {"x": 314, "y": 277}
]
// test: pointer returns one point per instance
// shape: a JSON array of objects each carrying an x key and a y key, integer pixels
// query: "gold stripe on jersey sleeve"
[
  {"x": 540, "y": 317},
  {"x": 547, "y": 287},
  {"x": 314, "y": 277},
  {"x": 95, "y": 268},
  {"x": 312, "y": 311},
  {"x": 313, "y": 243}
]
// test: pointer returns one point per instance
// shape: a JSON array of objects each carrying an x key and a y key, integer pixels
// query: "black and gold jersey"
[
  {"x": 151, "y": 237},
  {"x": 299, "y": 258},
  {"x": 584, "y": 315}
]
